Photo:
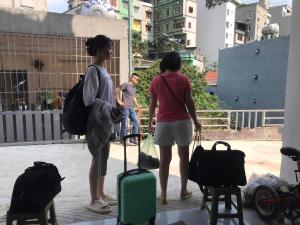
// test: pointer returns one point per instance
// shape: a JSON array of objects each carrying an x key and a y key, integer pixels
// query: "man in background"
[{"x": 126, "y": 102}]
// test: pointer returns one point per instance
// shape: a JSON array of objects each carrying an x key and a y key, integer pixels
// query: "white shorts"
[{"x": 180, "y": 132}]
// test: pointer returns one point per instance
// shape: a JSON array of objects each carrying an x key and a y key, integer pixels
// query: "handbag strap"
[{"x": 170, "y": 90}]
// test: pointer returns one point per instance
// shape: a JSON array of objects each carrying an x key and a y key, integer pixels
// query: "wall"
[
  {"x": 237, "y": 67},
  {"x": 22, "y": 21},
  {"x": 292, "y": 123},
  {"x": 211, "y": 29},
  {"x": 40, "y": 5}
]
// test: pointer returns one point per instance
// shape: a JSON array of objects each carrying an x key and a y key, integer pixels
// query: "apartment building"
[
  {"x": 215, "y": 29},
  {"x": 256, "y": 16},
  {"x": 177, "y": 20}
]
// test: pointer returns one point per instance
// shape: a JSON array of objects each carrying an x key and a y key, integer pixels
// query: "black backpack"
[
  {"x": 35, "y": 188},
  {"x": 75, "y": 113}
]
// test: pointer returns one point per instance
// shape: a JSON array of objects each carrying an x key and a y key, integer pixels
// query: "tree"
[
  {"x": 139, "y": 47},
  {"x": 203, "y": 100}
]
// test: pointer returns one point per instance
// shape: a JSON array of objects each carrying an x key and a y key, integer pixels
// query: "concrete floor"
[{"x": 73, "y": 161}]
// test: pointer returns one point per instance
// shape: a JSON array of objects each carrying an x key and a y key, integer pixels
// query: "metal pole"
[{"x": 129, "y": 38}]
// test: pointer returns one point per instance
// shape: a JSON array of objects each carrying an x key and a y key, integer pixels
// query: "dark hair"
[
  {"x": 97, "y": 43},
  {"x": 135, "y": 74},
  {"x": 171, "y": 61}
]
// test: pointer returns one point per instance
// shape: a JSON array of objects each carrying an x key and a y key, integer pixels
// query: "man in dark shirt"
[{"x": 126, "y": 103}]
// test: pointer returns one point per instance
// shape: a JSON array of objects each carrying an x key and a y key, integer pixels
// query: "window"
[
  {"x": 189, "y": 25},
  {"x": 177, "y": 9},
  {"x": 227, "y": 24},
  {"x": 157, "y": 28},
  {"x": 240, "y": 37},
  {"x": 148, "y": 28},
  {"x": 167, "y": 12},
  {"x": 191, "y": 9},
  {"x": 179, "y": 24},
  {"x": 148, "y": 14},
  {"x": 226, "y": 45},
  {"x": 157, "y": 1},
  {"x": 136, "y": 9},
  {"x": 226, "y": 35},
  {"x": 125, "y": 5},
  {"x": 113, "y": 2},
  {"x": 248, "y": 28},
  {"x": 228, "y": 11},
  {"x": 188, "y": 43},
  {"x": 167, "y": 27},
  {"x": 249, "y": 15},
  {"x": 157, "y": 15}
]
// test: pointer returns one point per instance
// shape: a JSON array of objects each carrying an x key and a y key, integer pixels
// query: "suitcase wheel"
[{"x": 152, "y": 221}]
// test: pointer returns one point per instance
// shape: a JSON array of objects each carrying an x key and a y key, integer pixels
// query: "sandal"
[
  {"x": 162, "y": 201},
  {"x": 186, "y": 195}
]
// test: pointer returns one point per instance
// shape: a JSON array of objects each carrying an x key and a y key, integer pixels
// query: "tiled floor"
[{"x": 194, "y": 216}]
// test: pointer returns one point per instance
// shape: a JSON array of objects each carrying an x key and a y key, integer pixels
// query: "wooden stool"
[
  {"x": 226, "y": 191},
  {"x": 34, "y": 218}
]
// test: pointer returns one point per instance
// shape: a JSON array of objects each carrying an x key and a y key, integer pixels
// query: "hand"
[
  {"x": 122, "y": 104},
  {"x": 198, "y": 125},
  {"x": 150, "y": 128}
]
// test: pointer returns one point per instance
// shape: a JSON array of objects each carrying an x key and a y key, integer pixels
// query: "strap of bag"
[
  {"x": 170, "y": 90},
  {"x": 98, "y": 74},
  {"x": 214, "y": 147}
]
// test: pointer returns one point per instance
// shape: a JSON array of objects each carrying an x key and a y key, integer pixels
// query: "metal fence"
[{"x": 46, "y": 126}]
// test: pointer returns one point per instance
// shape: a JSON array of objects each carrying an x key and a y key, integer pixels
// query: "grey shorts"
[
  {"x": 102, "y": 156},
  {"x": 180, "y": 132}
]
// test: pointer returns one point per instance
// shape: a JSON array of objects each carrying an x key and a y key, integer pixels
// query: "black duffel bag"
[
  {"x": 214, "y": 168},
  {"x": 35, "y": 188}
]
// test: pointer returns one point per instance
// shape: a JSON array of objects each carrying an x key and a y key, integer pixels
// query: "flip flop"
[
  {"x": 162, "y": 201},
  {"x": 186, "y": 195}
]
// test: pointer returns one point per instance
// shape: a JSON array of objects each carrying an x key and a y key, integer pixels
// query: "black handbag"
[{"x": 214, "y": 167}]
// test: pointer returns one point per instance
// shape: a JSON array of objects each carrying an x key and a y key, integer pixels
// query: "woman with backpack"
[
  {"x": 173, "y": 91},
  {"x": 100, "y": 47}
]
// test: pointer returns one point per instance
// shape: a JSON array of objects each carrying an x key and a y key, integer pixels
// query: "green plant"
[{"x": 202, "y": 99}]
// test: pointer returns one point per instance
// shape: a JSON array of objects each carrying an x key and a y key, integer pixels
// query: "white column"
[{"x": 291, "y": 134}]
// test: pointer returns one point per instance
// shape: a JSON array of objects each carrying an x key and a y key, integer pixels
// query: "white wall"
[
  {"x": 211, "y": 29},
  {"x": 40, "y": 5},
  {"x": 291, "y": 134}
]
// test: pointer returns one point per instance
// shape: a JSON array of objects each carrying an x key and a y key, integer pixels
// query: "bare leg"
[
  {"x": 165, "y": 159},
  {"x": 183, "y": 152},
  {"x": 100, "y": 192},
  {"x": 93, "y": 175}
]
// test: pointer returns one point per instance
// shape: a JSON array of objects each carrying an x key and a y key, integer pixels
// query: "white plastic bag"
[
  {"x": 256, "y": 180},
  {"x": 149, "y": 158}
]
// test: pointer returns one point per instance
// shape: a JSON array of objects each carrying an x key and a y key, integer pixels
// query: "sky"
[{"x": 60, "y": 6}]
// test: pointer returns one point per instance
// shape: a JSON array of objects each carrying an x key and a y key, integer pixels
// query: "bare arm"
[
  {"x": 118, "y": 96},
  {"x": 153, "y": 104},
  {"x": 136, "y": 102},
  {"x": 191, "y": 108}
]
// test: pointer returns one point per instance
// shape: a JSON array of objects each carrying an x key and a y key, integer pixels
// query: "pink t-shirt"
[{"x": 169, "y": 108}]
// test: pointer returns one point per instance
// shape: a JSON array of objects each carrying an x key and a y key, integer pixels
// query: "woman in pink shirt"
[{"x": 172, "y": 90}]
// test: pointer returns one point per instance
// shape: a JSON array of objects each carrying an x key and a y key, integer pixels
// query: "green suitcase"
[{"x": 136, "y": 192}]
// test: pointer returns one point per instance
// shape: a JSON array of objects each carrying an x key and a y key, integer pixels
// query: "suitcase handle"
[
  {"x": 214, "y": 147},
  {"x": 139, "y": 148}
]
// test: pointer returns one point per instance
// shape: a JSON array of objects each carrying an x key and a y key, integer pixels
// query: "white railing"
[
  {"x": 46, "y": 126},
  {"x": 230, "y": 119}
]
